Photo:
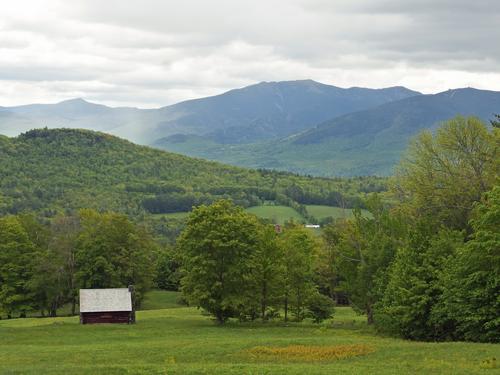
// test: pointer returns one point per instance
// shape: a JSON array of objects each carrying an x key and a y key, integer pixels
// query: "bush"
[{"x": 320, "y": 307}]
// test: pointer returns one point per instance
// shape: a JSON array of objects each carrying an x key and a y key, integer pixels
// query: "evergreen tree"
[
  {"x": 413, "y": 282},
  {"x": 470, "y": 304},
  {"x": 17, "y": 254}
]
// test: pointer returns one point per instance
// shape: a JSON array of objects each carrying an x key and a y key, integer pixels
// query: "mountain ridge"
[
  {"x": 272, "y": 108},
  {"x": 360, "y": 143}
]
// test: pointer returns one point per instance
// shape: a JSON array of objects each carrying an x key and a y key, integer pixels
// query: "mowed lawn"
[{"x": 181, "y": 340}]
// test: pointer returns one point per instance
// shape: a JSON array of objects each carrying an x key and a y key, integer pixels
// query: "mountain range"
[{"x": 300, "y": 126}]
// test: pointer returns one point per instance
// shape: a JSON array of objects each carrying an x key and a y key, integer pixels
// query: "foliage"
[
  {"x": 299, "y": 249},
  {"x": 443, "y": 175},
  {"x": 217, "y": 247},
  {"x": 45, "y": 170},
  {"x": 113, "y": 252},
  {"x": 266, "y": 273},
  {"x": 320, "y": 307},
  {"x": 17, "y": 252},
  {"x": 469, "y": 306},
  {"x": 167, "y": 269},
  {"x": 42, "y": 265},
  {"x": 60, "y": 171},
  {"x": 413, "y": 283},
  {"x": 496, "y": 122},
  {"x": 364, "y": 250},
  {"x": 234, "y": 266}
]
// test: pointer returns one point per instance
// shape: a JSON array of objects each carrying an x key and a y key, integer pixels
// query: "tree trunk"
[
  {"x": 219, "y": 315},
  {"x": 263, "y": 304},
  {"x": 286, "y": 309},
  {"x": 53, "y": 309},
  {"x": 369, "y": 314},
  {"x": 73, "y": 306}
]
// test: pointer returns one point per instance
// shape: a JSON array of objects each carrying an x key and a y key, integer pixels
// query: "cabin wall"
[{"x": 106, "y": 317}]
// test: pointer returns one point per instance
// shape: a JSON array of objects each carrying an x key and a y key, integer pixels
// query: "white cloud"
[{"x": 150, "y": 53}]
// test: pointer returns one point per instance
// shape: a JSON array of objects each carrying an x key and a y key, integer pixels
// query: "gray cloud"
[{"x": 156, "y": 52}]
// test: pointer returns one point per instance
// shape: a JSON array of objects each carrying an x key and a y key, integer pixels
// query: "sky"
[{"x": 151, "y": 53}]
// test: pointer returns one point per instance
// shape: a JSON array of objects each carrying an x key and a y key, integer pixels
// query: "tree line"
[
  {"x": 428, "y": 267},
  {"x": 44, "y": 264},
  {"x": 425, "y": 267},
  {"x": 234, "y": 266}
]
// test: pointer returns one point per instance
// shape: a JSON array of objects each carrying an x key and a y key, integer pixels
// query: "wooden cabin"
[{"x": 106, "y": 306}]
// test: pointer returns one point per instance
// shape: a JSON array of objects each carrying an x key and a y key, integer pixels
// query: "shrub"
[{"x": 320, "y": 307}]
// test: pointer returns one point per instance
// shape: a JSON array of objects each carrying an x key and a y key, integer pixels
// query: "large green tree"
[
  {"x": 365, "y": 250},
  {"x": 217, "y": 247},
  {"x": 17, "y": 255},
  {"x": 111, "y": 251},
  {"x": 413, "y": 286},
  {"x": 54, "y": 280},
  {"x": 470, "y": 304},
  {"x": 300, "y": 249},
  {"x": 266, "y": 274},
  {"x": 443, "y": 174}
]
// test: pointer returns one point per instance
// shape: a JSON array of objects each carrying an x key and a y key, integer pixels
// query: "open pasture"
[{"x": 181, "y": 340}]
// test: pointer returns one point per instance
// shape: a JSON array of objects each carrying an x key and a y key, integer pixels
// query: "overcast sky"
[{"x": 150, "y": 53}]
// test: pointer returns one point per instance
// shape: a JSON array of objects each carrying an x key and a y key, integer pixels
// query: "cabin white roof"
[{"x": 105, "y": 300}]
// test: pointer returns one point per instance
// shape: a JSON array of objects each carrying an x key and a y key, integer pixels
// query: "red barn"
[{"x": 106, "y": 306}]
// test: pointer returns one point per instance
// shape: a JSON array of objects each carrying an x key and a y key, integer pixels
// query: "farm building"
[
  {"x": 313, "y": 226},
  {"x": 106, "y": 306}
]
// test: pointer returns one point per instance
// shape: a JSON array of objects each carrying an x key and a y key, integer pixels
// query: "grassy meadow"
[
  {"x": 280, "y": 214},
  {"x": 173, "y": 339},
  {"x": 321, "y": 212}
]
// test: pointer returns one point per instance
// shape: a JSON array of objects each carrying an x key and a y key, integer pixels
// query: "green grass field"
[
  {"x": 179, "y": 340},
  {"x": 160, "y": 299},
  {"x": 321, "y": 212},
  {"x": 279, "y": 214}
]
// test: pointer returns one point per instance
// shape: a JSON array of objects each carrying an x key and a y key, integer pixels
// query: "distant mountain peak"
[
  {"x": 74, "y": 100},
  {"x": 79, "y": 102}
]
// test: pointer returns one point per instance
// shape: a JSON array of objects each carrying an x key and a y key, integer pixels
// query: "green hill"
[{"x": 50, "y": 171}]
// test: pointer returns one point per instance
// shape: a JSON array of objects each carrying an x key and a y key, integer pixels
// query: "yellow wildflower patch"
[{"x": 308, "y": 353}]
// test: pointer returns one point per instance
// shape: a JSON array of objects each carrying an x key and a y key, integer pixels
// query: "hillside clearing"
[
  {"x": 278, "y": 214},
  {"x": 321, "y": 212}
]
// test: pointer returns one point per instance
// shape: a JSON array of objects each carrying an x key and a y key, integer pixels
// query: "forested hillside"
[{"x": 50, "y": 171}]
